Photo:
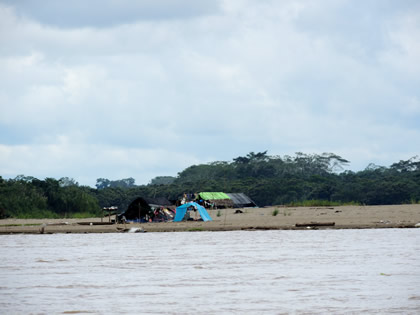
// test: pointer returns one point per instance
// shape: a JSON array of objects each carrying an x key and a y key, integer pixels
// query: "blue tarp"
[{"x": 182, "y": 210}]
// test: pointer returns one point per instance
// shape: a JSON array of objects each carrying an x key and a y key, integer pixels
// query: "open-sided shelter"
[
  {"x": 217, "y": 199},
  {"x": 240, "y": 200},
  {"x": 143, "y": 209},
  {"x": 158, "y": 202},
  {"x": 182, "y": 210}
]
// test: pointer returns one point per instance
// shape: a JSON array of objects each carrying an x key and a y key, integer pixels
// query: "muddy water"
[{"x": 299, "y": 272}]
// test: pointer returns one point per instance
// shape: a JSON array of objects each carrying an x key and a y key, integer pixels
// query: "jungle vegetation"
[{"x": 302, "y": 179}]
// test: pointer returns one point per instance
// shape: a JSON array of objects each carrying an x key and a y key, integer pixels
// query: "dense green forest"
[{"x": 268, "y": 180}]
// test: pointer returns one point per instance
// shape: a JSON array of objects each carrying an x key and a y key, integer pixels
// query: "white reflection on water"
[{"x": 328, "y": 271}]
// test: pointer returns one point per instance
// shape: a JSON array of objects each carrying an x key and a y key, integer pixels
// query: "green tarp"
[{"x": 213, "y": 196}]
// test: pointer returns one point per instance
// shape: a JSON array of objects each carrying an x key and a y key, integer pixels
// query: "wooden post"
[{"x": 315, "y": 224}]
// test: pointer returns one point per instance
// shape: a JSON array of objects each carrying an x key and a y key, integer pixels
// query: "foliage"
[
  {"x": 102, "y": 183},
  {"x": 287, "y": 212},
  {"x": 162, "y": 180},
  {"x": 300, "y": 180},
  {"x": 275, "y": 212},
  {"x": 28, "y": 197}
]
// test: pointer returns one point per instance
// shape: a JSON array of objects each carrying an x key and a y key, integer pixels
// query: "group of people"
[{"x": 187, "y": 197}]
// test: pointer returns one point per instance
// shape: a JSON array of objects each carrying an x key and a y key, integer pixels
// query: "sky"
[{"x": 117, "y": 89}]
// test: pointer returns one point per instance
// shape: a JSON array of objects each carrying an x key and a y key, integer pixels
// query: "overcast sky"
[{"x": 129, "y": 88}]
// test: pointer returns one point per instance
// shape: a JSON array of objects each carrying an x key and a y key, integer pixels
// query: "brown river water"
[{"x": 242, "y": 272}]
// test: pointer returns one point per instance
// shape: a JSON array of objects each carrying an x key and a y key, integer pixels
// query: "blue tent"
[{"x": 182, "y": 210}]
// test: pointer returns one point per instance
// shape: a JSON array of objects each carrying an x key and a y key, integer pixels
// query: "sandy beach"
[{"x": 287, "y": 218}]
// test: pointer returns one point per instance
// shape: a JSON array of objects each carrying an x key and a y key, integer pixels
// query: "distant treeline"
[{"x": 268, "y": 180}]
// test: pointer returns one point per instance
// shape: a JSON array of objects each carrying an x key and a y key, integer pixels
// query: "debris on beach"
[
  {"x": 385, "y": 274},
  {"x": 383, "y": 222},
  {"x": 136, "y": 230},
  {"x": 42, "y": 229},
  {"x": 315, "y": 224}
]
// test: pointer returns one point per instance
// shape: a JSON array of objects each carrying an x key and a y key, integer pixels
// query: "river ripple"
[{"x": 273, "y": 272}]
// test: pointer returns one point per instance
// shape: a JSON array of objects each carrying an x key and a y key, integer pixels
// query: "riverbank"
[{"x": 287, "y": 218}]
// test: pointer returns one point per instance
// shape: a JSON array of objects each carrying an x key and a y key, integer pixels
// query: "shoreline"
[{"x": 251, "y": 219}]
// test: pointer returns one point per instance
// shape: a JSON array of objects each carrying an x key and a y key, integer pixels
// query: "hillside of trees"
[{"x": 268, "y": 180}]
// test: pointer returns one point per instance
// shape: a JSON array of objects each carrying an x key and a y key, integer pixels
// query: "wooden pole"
[{"x": 315, "y": 224}]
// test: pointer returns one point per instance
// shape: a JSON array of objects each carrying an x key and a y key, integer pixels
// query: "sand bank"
[{"x": 344, "y": 217}]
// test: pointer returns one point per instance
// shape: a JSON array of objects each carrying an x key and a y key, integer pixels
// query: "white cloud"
[
  {"x": 149, "y": 96},
  {"x": 62, "y": 157},
  {"x": 106, "y": 13},
  {"x": 403, "y": 52}
]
